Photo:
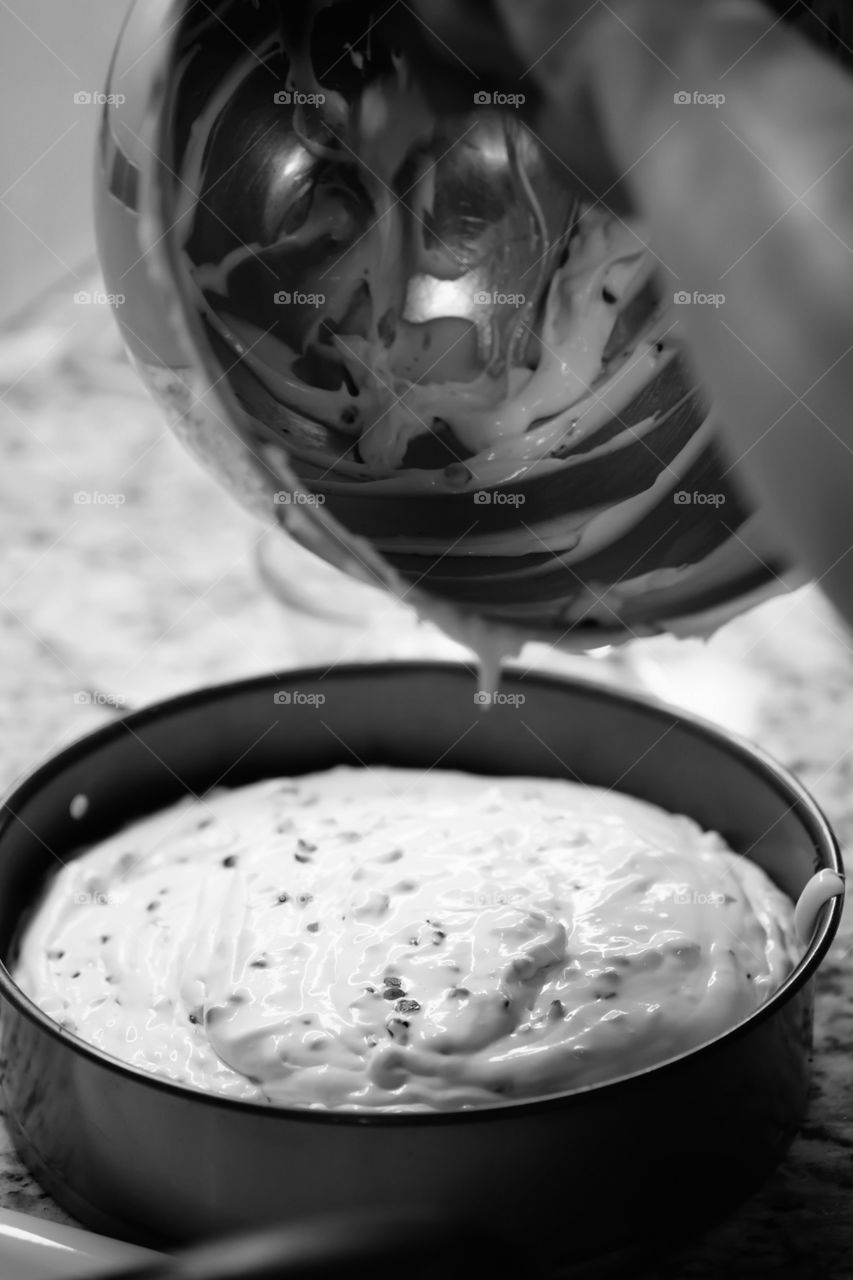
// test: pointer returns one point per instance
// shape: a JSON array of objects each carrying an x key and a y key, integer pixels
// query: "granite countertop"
[{"x": 150, "y": 588}]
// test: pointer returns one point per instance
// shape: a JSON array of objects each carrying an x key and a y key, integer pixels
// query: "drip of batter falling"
[{"x": 379, "y": 132}]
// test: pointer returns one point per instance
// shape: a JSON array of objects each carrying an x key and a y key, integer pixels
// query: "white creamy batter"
[{"x": 381, "y": 938}]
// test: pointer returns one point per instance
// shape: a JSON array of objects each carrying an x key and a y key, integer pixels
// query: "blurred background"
[{"x": 50, "y": 52}]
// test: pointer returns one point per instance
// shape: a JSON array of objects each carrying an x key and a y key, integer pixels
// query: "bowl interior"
[{"x": 410, "y": 715}]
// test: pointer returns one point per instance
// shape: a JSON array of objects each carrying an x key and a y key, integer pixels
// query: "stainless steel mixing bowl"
[{"x": 228, "y": 203}]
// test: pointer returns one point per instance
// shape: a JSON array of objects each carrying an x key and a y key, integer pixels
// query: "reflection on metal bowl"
[{"x": 459, "y": 371}]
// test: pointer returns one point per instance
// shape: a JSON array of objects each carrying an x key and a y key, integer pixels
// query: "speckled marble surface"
[{"x": 150, "y": 588}]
